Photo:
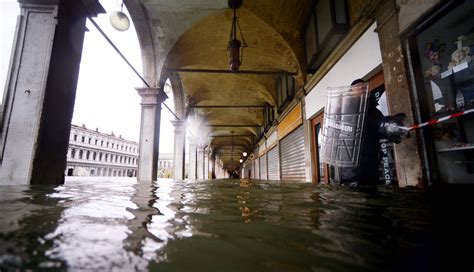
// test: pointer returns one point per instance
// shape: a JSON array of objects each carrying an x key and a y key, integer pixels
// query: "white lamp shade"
[{"x": 119, "y": 20}]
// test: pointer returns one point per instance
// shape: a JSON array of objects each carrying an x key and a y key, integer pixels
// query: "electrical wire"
[{"x": 129, "y": 64}]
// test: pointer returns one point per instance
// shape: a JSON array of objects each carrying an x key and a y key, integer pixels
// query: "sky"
[{"x": 106, "y": 97}]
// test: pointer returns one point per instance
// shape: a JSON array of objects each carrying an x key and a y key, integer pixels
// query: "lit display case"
[{"x": 442, "y": 52}]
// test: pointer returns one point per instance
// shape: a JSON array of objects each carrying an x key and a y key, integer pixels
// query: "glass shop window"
[{"x": 444, "y": 72}]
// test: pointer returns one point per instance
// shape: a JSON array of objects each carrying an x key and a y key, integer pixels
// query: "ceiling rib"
[
  {"x": 229, "y": 106},
  {"x": 237, "y": 135},
  {"x": 207, "y": 125},
  {"x": 218, "y": 71}
]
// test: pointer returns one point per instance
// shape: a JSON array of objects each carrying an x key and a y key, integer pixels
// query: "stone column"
[
  {"x": 200, "y": 161},
  {"x": 407, "y": 154},
  {"x": 149, "y": 132},
  {"x": 213, "y": 167},
  {"x": 192, "y": 158},
  {"x": 40, "y": 90},
  {"x": 207, "y": 153},
  {"x": 179, "y": 146}
]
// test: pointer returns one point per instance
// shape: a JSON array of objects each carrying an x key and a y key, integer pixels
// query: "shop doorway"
[{"x": 320, "y": 169}]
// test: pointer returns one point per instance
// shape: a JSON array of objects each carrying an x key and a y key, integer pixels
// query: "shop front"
[{"x": 440, "y": 51}]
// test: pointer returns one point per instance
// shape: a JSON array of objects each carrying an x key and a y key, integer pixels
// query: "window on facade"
[
  {"x": 83, "y": 139},
  {"x": 73, "y": 153},
  {"x": 285, "y": 88},
  {"x": 268, "y": 117},
  {"x": 88, "y": 154},
  {"x": 100, "y": 156},
  {"x": 327, "y": 24},
  {"x": 80, "y": 154},
  {"x": 107, "y": 144},
  {"x": 94, "y": 156},
  {"x": 101, "y": 143},
  {"x": 75, "y": 137},
  {"x": 106, "y": 157},
  {"x": 90, "y": 139},
  {"x": 96, "y": 141},
  {"x": 112, "y": 145}
]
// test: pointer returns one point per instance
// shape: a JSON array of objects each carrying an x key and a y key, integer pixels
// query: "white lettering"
[{"x": 339, "y": 126}]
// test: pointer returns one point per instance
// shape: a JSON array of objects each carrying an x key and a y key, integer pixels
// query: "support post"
[
  {"x": 149, "y": 132},
  {"x": 207, "y": 153},
  {"x": 200, "y": 161},
  {"x": 41, "y": 89},
  {"x": 179, "y": 146},
  {"x": 192, "y": 157},
  {"x": 407, "y": 154}
]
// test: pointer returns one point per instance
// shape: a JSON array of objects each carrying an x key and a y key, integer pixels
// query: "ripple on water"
[{"x": 220, "y": 225}]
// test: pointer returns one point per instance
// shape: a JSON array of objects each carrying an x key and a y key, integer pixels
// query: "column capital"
[
  {"x": 178, "y": 124},
  {"x": 151, "y": 96},
  {"x": 192, "y": 140},
  {"x": 201, "y": 147}
]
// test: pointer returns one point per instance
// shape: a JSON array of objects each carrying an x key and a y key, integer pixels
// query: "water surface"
[{"x": 117, "y": 224}]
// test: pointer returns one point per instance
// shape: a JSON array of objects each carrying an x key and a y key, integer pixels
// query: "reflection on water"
[{"x": 225, "y": 225}]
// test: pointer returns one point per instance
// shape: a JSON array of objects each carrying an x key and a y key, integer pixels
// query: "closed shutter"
[
  {"x": 263, "y": 167},
  {"x": 273, "y": 164},
  {"x": 292, "y": 156}
]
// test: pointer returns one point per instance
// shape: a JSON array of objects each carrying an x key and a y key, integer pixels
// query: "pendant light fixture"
[
  {"x": 119, "y": 20},
  {"x": 235, "y": 46}
]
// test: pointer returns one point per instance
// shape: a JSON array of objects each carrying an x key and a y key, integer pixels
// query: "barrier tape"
[{"x": 436, "y": 121}]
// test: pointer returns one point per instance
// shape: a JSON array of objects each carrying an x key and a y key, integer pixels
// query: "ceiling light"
[
  {"x": 234, "y": 45},
  {"x": 119, "y": 20}
]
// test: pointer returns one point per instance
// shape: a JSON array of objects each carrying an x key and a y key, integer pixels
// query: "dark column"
[{"x": 41, "y": 89}]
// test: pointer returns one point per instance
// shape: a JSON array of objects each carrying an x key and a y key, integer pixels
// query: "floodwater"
[{"x": 116, "y": 224}]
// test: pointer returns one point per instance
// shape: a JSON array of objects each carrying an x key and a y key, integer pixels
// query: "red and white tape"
[{"x": 442, "y": 119}]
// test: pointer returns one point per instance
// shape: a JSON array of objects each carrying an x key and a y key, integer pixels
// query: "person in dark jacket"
[{"x": 376, "y": 128}]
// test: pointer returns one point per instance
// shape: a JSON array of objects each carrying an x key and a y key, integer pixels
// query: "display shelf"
[
  {"x": 444, "y": 113},
  {"x": 448, "y": 149},
  {"x": 451, "y": 71}
]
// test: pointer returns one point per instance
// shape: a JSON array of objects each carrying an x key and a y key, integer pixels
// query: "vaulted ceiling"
[{"x": 193, "y": 35}]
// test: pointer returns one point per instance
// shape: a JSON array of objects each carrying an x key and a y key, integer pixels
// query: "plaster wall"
[
  {"x": 272, "y": 138},
  {"x": 360, "y": 59}
]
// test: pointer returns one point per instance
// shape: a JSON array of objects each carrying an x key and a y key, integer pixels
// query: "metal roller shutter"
[
  {"x": 292, "y": 156},
  {"x": 273, "y": 164},
  {"x": 263, "y": 167}
]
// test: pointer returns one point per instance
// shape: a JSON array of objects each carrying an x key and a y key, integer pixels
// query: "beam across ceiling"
[
  {"x": 208, "y": 125},
  {"x": 229, "y": 106},
  {"x": 218, "y": 71},
  {"x": 230, "y": 136}
]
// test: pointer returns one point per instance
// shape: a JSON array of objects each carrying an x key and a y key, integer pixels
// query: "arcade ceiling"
[{"x": 186, "y": 41}]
